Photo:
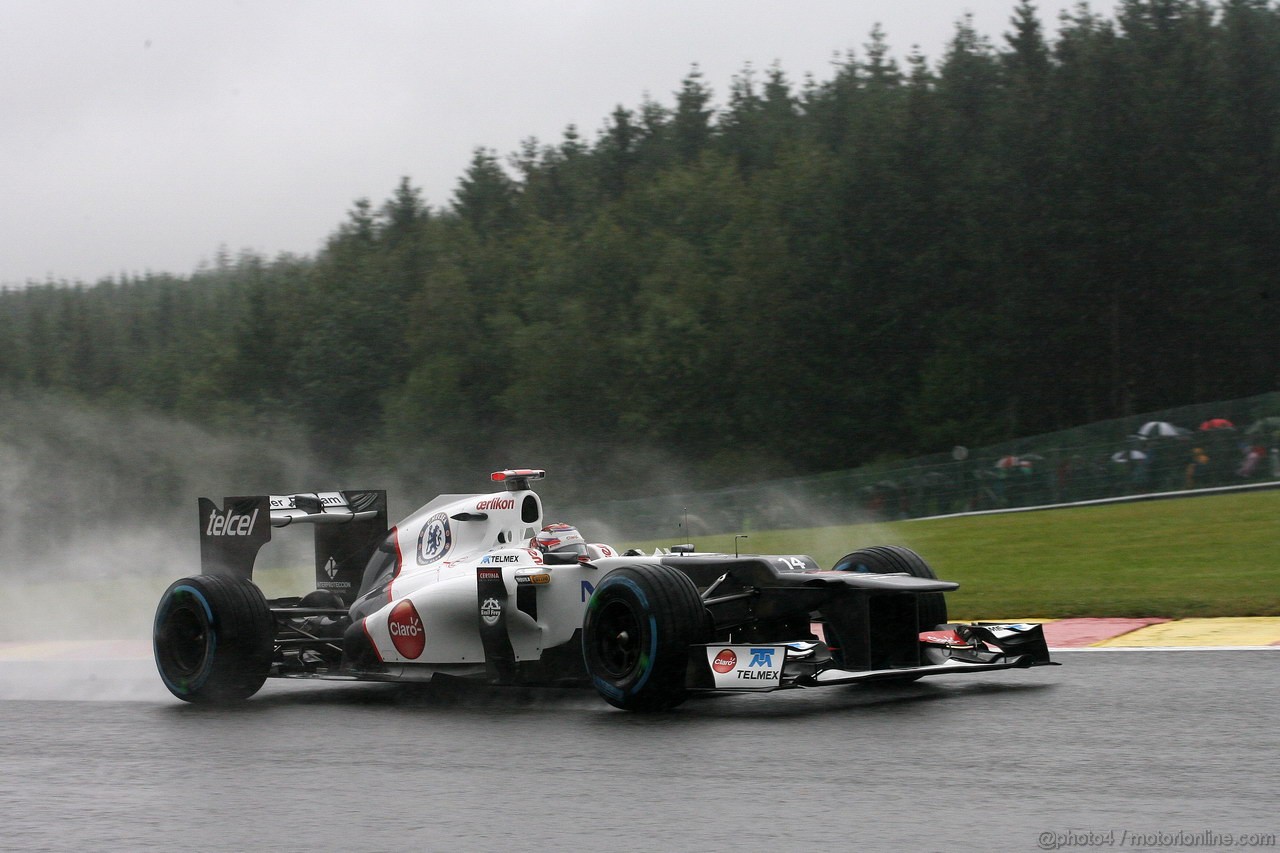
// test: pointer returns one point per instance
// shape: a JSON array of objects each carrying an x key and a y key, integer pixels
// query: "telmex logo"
[
  {"x": 230, "y": 524},
  {"x": 406, "y": 629}
]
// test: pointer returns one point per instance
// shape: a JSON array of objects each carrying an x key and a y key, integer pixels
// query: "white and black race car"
[{"x": 456, "y": 589}]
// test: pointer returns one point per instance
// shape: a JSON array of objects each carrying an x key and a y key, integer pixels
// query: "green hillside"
[
  {"x": 1205, "y": 556},
  {"x": 1068, "y": 222}
]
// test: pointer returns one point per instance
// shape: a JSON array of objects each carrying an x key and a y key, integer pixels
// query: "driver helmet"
[{"x": 560, "y": 538}]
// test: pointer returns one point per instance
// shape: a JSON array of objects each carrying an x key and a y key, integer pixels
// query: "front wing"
[{"x": 950, "y": 649}]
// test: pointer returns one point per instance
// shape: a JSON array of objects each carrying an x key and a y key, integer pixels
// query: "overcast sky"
[{"x": 143, "y": 136}]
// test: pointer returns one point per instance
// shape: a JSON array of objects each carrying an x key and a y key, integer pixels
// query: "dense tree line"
[{"x": 1020, "y": 237}]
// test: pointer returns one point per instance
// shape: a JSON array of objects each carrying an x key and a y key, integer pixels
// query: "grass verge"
[{"x": 1216, "y": 555}]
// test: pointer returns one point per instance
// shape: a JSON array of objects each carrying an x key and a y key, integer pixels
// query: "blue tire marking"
[
  {"x": 653, "y": 654},
  {"x": 208, "y": 611},
  {"x": 606, "y": 688},
  {"x": 644, "y": 602},
  {"x": 653, "y": 634},
  {"x": 196, "y": 681}
]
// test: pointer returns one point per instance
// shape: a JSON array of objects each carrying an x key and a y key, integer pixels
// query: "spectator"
[
  {"x": 1199, "y": 463},
  {"x": 1253, "y": 456}
]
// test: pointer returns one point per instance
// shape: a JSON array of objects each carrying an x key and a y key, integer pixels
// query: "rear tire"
[
  {"x": 212, "y": 639},
  {"x": 636, "y": 635},
  {"x": 888, "y": 559}
]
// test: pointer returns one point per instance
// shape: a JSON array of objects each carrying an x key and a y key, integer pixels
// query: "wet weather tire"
[
  {"x": 636, "y": 635},
  {"x": 212, "y": 639},
  {"x": 893, "y": 558}
]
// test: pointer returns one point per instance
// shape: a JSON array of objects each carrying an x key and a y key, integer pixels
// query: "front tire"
[
  {"x": 931, "y": 607},
  {"x": 212, "y": 639},
  {"x": 636, "y": 635},
  {"x": 888, "y": 559}
]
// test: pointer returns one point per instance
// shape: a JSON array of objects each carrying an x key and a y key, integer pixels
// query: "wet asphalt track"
[{"x": 99, "y": 757}]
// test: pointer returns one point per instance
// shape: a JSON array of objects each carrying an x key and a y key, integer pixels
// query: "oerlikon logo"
[{"x": 406, "y": 630}]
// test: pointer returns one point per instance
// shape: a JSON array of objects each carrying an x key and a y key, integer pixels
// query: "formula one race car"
[{"x": 475, "y": 586}]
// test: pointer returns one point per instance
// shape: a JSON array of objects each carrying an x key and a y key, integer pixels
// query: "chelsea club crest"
[{"x": 435, "y": 539}]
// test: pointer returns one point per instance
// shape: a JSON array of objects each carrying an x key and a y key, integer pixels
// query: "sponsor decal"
[
  {"x": 406, "y": 630},
  {"x": 491, "y": 611},
  {"x": 331, "y": 568},
  {"x": 606, "y": 551},
  {"x": 291, "y": 501},
  {"x": 435, "y": 539},
  {"x": 536, "y": 555},
  {"x": 761, "y": 665},
  {"x": 587, "y": 589},
  {"x": 500, "y": 558},
  {"x": 489, "y": 574},
  {"x": 1000, "y": 632},
  {"x": 231, "y": 524},
  {"x": 746, "y": 667},
  {"x": 334, "y": 585},
  {"x": 497, "y": 503},
  {"x": 766, "y": 674}
]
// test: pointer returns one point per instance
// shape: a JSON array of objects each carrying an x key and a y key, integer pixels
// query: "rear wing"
[{"x": 349, "y": 525}]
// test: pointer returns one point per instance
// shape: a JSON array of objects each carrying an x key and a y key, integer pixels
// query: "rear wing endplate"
[{"x": 349, "y": 525}]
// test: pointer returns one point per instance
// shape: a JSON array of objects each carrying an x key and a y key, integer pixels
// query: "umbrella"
[
  {"x": 1264, "y": 425},
  {"x": 1217, "y": 423},
  {"x": 1161, "y": 429},
  {"x": 1128, "y": 456}
]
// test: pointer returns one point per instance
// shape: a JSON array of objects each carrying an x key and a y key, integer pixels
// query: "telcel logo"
[{"x": 230, "y": 524}]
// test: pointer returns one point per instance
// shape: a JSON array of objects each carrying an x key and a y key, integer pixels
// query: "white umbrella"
[
  {"x": 1128, "y": 455},
  {"x": 1161, "y": 429}
]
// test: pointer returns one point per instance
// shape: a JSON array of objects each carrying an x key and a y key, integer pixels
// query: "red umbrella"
[{"x": 1217, "y": 423}]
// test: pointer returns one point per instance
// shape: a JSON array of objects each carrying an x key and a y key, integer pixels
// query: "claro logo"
[
  {"x": 230, "y": 524},
  {"x": 406, "y": 630},
  {"x": 725, "y": 661}
]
